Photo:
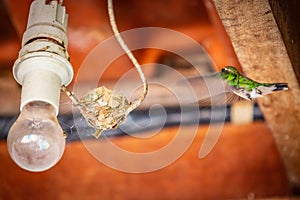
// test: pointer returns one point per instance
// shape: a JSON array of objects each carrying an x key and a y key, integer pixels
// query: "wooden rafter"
[{"x": 258, "y": 44}]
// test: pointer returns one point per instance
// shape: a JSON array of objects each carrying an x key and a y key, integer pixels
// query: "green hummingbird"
[
  {"x": 246, "y": 87},
  {"x": 232, "y": 82}
]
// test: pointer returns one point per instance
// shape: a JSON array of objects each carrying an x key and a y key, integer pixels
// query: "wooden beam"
[
  {"x": 287, "y": 16},
  {"x": 258, "y": 44}
]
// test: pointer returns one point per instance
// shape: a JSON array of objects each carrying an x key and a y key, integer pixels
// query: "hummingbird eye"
[{"x": 224, "y": 70}]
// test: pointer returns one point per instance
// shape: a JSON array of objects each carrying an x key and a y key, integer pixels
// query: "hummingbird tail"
[{"x": 280, "y": 86}]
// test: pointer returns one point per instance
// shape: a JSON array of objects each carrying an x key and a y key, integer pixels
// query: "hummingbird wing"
[{"x": 212, "y": 90}]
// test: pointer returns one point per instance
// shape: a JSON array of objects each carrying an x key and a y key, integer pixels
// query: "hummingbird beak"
[{"x": 281, "y": 86}]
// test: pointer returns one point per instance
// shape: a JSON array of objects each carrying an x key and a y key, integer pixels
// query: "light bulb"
[{"x": 36, "y": 141}]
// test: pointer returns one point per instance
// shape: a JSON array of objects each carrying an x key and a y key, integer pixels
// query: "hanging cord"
[{"x": 121, "y": 42}]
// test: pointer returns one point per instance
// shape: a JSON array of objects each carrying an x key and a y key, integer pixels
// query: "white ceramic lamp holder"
[{"x": 43, "y": 64}]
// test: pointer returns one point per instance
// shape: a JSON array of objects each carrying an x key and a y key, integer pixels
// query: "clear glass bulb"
[{"x": 35, "y": 141}]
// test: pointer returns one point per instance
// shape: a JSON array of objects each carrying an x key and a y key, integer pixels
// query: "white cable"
[{"x": 129, "y": 54}]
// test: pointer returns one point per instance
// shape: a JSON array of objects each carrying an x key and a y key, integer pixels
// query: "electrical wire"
[{"x": 123, "y": 45}]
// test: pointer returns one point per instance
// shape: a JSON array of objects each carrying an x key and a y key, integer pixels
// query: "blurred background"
[{"x": 244, "y": 163}]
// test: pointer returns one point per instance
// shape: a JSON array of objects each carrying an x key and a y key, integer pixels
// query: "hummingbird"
[
  {"x": 246, "y": 87},
  {"x": 234, "y": 83}
]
